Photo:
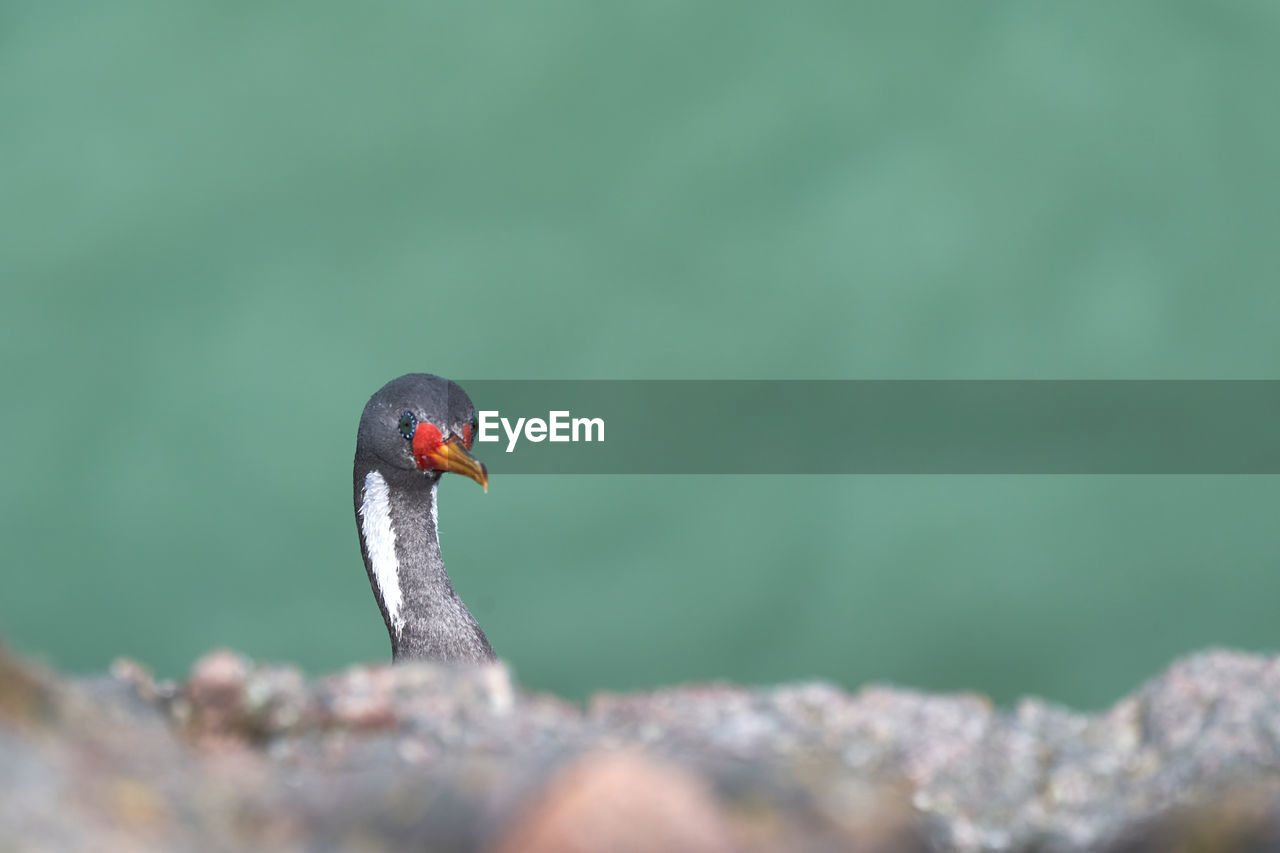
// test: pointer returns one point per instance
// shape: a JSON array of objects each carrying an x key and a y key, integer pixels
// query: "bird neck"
[{"x": 399, "y": 538}]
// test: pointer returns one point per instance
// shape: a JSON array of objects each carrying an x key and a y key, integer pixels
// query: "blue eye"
[{"x": 408, "y": 423}]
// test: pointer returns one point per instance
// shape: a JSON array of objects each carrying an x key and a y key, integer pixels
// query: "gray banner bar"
[{"x": 880, "y": 427}]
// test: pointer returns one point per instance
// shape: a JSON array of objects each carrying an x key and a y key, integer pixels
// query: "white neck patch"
[
  {"x": 380, "y": 543},
  {"x": 435, "y": 514}
]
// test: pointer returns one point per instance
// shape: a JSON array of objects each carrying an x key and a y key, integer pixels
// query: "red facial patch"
[
  {"x": 466, "y": 436},
  {"x": 426, "y": 441}
]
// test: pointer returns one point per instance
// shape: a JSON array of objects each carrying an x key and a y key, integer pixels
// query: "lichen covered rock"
[{"x": 418, "y": 756}]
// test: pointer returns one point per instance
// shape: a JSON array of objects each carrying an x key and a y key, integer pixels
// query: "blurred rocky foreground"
[{"x": 423, "y": 757}]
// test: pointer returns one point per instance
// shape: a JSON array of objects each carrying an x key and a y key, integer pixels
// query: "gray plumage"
[{"x": 425, "y": 618}]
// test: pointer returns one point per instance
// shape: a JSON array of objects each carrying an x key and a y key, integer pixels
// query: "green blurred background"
[{"x": 224, "y": 225}]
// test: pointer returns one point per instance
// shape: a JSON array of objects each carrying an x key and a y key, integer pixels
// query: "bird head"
[{"x": 422, "y": 422}]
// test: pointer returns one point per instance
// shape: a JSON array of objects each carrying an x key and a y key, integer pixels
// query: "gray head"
[
  {"x": 413, "y": 430},
  {"x": 420, "y": 422}
]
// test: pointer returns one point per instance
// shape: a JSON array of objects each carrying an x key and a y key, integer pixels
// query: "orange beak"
[{"x": 432, "y": 454}]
